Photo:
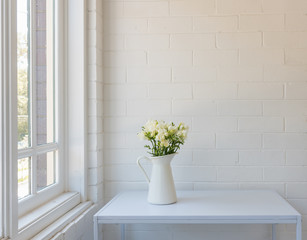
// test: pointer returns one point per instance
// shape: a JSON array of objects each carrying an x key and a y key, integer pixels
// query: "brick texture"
[{"x": 233, "y": 70}]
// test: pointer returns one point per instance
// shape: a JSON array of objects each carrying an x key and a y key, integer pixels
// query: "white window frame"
[
  {"x": 9, "y": 124},
  {"x": 72, "y": 17},
  {"x": 76, "y": 96},
  {"x": 38, "y": 198},
  {"x": 1, "y": 122}
]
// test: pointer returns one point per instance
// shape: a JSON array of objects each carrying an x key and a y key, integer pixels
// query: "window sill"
[
  {"x": 62, "y": 222},
  {"x": 40, "y": 218}
]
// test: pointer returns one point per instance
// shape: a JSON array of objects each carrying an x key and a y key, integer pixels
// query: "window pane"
[
  {"x": 44, "y": 72},
  {"x": 23, "y": 73},
  {"x": 45, "y": 170},
  {"x": 24, "y": 179}
]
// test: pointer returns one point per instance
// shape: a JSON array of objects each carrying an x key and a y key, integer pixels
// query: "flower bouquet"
[{"x": 165, "y": 138}]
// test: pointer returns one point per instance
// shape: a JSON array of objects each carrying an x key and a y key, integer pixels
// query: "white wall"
[
  {"x": 236, "y": 72},
  {"x": 95, "y": 121}
]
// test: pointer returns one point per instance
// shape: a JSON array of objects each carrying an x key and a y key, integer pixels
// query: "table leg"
[
  {"x": 274, "y": 231},
  {"x": 123, "y": 232},
  {"x": 96, "y": 231},
  {"x": 299, "y": 228}
]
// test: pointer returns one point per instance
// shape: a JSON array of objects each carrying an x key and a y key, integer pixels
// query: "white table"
[{"x": 201, "y": 207}]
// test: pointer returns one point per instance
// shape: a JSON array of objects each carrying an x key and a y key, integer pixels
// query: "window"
[
  {"x": 43, "y": 167},
  {"x": 39, "y": 152}
]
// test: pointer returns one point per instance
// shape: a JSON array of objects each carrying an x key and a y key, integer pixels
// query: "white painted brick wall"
[
  {"x": 285, "y": 73},
  {"x": 239, "y": 40},
  {"x": 215, "y": 24},
  {"x": 262, "y": 22},
  {"x": 285, "y": 39},
  {"x": 149, "y": 74},
  {"x": 95, "y": 99},
  {"x": 238, "y": 73},
  {"x": 238, "y": 6},
  {"x": 238, "y": 141},
  {"x": 261, "y": 90},
  {"x": 169, "y": 91},
  {"x": 262, "y": 56},
  {"x": 214, "y": 124},
  {"x": 192, "y": 41},
  {"x": 239, "y": 108},
  {"x": 296, "y": 91},
  {"x": 296, "y": 56},
  {"x": 146, "y": 9},
  {"x": 193, "y": 107},
  {"x": 192, "y": 7},
  {"x": 296, "y": 22},
  {"x": 147, "y": 42},
  {"x": 235, "y": 71},
  {"x": 194, "y": 74},
  {"x": 287, "y": 6},
  {"x": 215, "y": 57},
  {"x": 261, "y": 124},
  {"x": 170, "y": 58}
]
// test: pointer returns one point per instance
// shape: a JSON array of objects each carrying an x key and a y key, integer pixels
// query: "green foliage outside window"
[{"x": 22, "y": 90}]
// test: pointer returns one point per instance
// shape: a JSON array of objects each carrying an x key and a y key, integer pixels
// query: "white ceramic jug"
[{"x": 161, "y": 185}]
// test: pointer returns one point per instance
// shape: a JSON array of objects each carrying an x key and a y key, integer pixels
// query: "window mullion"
[
  {"x": 28, "y": 152},
  {"x": 47, "y": 148},
  {"x": 33, "y": 94},
  {"x": 59, "y": 86},
  {"x": 1, "y": 119},
  {"x": 24, "y": 153},
  {"x": 9, "y": 118},
  {"x": 33, "y": 174}
]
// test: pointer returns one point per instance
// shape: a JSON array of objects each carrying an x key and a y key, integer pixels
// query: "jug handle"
[{"x": 143, "y": 170}]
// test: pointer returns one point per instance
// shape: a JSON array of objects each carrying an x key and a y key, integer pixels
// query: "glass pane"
[
  {"x": 24, "y": 179},
  {"x": 45, "y": 170},
  {"x": 23, "y": 73},
  {"x": 44, "y": 71}
]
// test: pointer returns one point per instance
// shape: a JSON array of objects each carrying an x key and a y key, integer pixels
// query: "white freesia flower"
[
  {"x": 165, "y": 138},
  {"x": 142, "y": 136},
  {"x": 182, "y": 126},
  {"x": 184, "y": 134},
  {"x": 172, "y": 129},
  {"x": 165, "y": 143},
  {"x": 161, "y": 135},
  {"x": 161, "y": 125},
  {"x": 150, "y": 126}
]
